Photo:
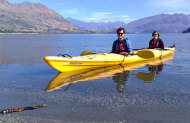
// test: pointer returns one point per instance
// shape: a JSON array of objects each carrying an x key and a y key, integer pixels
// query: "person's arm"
[
  {"x": 129, "y": 47},
  {"x": 149, "y": 47}
]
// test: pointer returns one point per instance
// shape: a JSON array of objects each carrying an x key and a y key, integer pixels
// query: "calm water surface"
[{"x": 146, "y": 94}]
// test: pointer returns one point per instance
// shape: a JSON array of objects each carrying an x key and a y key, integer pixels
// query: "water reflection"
[
  {"x": 66, "y": 78},
  {"x": 119, "y": 73},
  {"x": 121, "y": 79},
  {"x": 151, "y": 76}
]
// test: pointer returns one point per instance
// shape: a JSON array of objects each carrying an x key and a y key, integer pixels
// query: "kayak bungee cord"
[{"x": 64, "y": 55}]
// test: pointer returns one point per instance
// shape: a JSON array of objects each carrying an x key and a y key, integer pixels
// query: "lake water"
[{"x": 139, "y": 95}]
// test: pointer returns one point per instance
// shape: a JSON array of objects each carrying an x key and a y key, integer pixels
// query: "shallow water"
[{"x": 147, "y": 96}]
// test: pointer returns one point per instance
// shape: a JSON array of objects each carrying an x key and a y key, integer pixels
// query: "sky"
[{"x": 113, "y": 10}]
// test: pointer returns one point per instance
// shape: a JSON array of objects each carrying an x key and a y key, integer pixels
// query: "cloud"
[
  {"x": 170, "y": 4},
  {"x": 106, "y": 16},
  {"x": 97, "y": 16},
  {"x": 101, "y": 14},
  {"x": 126, "y": 18},
  {"x": 70, "y": 11}
]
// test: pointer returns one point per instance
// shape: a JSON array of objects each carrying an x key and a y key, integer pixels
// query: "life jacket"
[
  {"x": 155, "y": 44},
  {"x": 120, "y": 47}
]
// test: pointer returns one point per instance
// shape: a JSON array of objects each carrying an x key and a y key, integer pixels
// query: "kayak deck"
[{"x": 64, "y": 64}]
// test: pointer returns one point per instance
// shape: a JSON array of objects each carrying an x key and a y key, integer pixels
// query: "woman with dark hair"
[{"x": 156, "y": 42}]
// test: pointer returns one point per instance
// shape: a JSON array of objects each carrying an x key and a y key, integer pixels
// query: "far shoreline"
[{"x": 39, "y": 33}]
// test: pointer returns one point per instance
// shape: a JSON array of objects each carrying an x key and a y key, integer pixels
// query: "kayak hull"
[{"x": 65, "y": 64}]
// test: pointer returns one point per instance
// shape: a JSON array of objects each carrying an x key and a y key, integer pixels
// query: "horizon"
[{"x": 92, "y": 11}]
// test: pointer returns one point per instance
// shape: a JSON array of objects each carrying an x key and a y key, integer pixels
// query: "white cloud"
[
  {"x": 106, "y": 16},
  {"x": 101, "y": 14},
  {"x": 98, "y": 16},
  {"x": 70, "y": 11},
  {"x": 125, "y": 18}
]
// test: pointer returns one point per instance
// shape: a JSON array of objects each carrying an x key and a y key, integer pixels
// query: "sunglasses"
[{"x": 120, "y": 33}]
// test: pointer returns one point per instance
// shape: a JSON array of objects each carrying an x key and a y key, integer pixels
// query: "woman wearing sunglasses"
[{"x": 156, "y": 42}]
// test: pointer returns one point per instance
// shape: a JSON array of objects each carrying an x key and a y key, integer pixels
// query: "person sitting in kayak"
[
  {"x": 156, "y": 42},
  {"x": 121, "y": 45}
]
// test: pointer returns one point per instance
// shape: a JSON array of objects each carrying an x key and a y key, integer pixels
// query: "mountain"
[
  {"x": 95, "y": 26},
  {"x": 187, "y": 30},
  {"x": 166, "y": 23},
  {"x": 31, "y": 17}
]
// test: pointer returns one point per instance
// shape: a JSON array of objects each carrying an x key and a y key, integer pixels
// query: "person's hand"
[
  {"x": 131, "y": 53},
  {"x": 125, "y": 54}
]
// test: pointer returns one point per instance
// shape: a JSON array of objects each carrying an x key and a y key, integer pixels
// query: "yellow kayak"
[
  {"x": 65, "y": 64},
  {"x": 67, "y": 78}
]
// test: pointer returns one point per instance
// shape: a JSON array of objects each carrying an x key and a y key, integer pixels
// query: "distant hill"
[
  {"x": 31, "y": 17},
  {"x": 95, "y": 26},
  {"x": 165, "y": 23},
  {"x": 187, "y": 30}
]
